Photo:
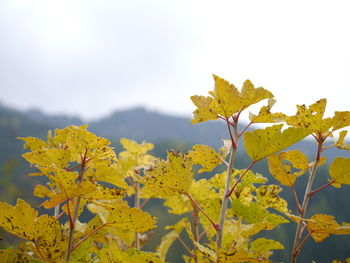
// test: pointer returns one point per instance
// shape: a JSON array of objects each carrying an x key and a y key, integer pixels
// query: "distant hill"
[{"x": 165, "y": 132}]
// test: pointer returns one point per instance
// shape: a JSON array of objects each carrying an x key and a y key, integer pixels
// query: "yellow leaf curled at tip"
[
  {"x": 339, "y": 170},
  {"x": 265, "y": 115},
  {"x": 264, "y": 142}
]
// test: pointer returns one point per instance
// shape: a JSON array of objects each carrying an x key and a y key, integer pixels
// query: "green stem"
[
  {"x": 225, "y": 198},
  {"x": 299, "y": 230}
]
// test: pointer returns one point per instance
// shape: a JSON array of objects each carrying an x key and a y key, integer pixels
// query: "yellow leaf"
[
  {"x": 135, "y": 148},
  {"x": 267, "y": 196},
  {"x": 33, "y": 144},
  {"x": 113, "y": 254},
  {"x": 41, "y": 191},
  {"x": 321, "y": 226},
  {"x": 23, "y": 221},
  {"x": 283, "y": 172},
  {"x": 263, "y": 245},
  {"x": 19, "y": 219},
  {"x": 254, "y": 213},
  {"x": 170, "y": 177},
  {"x": 265, "y": 115},
  {"x": 252, "y": 95},
  {"x": 8, "y": 255},
  {"x": 124, "y": 217},
  {"x": 341, "y": 144},
  {"x": 205, "y": 156},
  {"x": 264, "y": 142},
  {"x": 110, "y": 174},
  {"x": 340, "y": 120},
  {"x": 339, "y": 170},
  {"x": 227, "y": 99},
  {"x": 203, "y": 111},
  {"x": 103, "y": 192},
  {"x": 311, "y": 118}
]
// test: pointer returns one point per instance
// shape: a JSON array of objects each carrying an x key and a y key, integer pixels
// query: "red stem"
[
  {"x": 87, "y": 236},
  {"x": 297, "y": 250},
  {"x": 144, "y": 203},
  {"x": 246, "y": 127},
  {"x": 37, "y": 248},
  {"x": 194, "y": 203},
  {"x": 201, "y": 235},
  {"x": 239, "y": 179},
  {"x": 60, "y": 215},
  {"x": 238, "y": 114},
  {"x": 320, "y": 188},
  {"x": 234, "y": 144}
]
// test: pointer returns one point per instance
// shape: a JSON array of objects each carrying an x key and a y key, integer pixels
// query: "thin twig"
[
  {"x": 87, "y": 236},
  {"x": 245, "y": 128},
  {"x": 296, "y": 199},
  {"x": 329, "y": 146},
  {"x": 302, "y": 244},
  {"x": 194, "y": 203},
  {"x": 240, "y": 178},
  {"x": 37, "y": 248},
  {"x": 320, "y": 188},
  {"x": 185, "y": 246},
  {"x": 144, "y": 203}
]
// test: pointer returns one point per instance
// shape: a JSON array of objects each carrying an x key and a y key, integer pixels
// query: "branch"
[
  {"x": 299, "y": 230},
  {"x": 76, "y": 210},
  {"x": 225, "y": 198}
]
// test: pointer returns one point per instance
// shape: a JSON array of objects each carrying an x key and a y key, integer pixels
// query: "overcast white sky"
[{"x": 90, "y": 58}]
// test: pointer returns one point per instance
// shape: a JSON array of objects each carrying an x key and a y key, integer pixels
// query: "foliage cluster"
[{"x": 226, "y": 212}]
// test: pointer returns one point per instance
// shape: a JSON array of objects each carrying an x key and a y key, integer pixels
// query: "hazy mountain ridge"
[{"x": 141, "y": 124}]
